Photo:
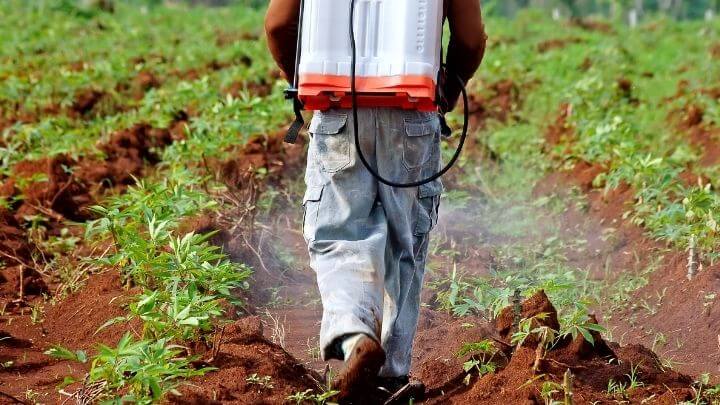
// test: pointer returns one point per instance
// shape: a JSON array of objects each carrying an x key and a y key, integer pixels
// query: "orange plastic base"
[{"x": 323, "y": 92}]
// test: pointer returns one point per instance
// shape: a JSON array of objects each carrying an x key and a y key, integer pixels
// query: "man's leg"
[
  {"x": 346, "y": 230},
  {"x": 409, "y": 148}
]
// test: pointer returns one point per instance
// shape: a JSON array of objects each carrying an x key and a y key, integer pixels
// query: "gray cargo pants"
[{"x": 368, "y": 242}]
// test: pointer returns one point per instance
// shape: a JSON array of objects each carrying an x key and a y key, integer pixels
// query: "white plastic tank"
[{"x": 398, "y": 45}]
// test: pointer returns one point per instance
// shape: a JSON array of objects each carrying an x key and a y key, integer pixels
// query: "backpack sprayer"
[{"x": 400, "y": 52}]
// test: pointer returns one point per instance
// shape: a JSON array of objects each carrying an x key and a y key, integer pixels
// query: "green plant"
[
  {"x": 183, "y": 281},
  {"x": 481, "y": 358},
  {"x": 32, "y": 395},
  {"x": 308, "y": 396},
  {"x": 264, "y": 382},
  {"x": 533, "y": 327},
  {"x": 548, "y": 389},
  {"x": 579, "y": 322},
  {"x": 62, "y": 353},
  {"x": 528, "y": 327},
  {"x": 621, "y": 388},
  {"x": 710, "y": 393},
  {"x": 183, "y": 278},
  {"x": 144, "y": 369},
  {"x": 634, "y": 378},
  {"x": 617, "y": 388},
  {"x": 37, "y": 311}
]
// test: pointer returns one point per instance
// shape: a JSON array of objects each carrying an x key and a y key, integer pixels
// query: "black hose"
[
  {"x": 375, "y": 174},
  {"x": 298, "y": 45}
]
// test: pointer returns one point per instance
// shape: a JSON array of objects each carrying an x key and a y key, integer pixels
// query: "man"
[{"x": 367, "y": 241}]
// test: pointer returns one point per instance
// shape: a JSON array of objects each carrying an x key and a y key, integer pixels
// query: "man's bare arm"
[
  {"x": 281, "y": 28},
  {"x": 467, "y": 45}
]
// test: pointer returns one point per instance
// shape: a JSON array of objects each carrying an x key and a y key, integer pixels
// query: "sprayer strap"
[{"x": 294, "y": 130}]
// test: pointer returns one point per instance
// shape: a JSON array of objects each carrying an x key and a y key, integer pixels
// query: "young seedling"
[
  {"x": 634, "y": 378},
  {"x": 264, "y": 382},
  {"x": 615, "y": 389},
  {"x": 36, "y": 313},
  {"x": 545, "y": 334},
  {"x": 548, "y": 390},
  {"x": 308, "y": 395},
  {"x": 481, "y": 359}
]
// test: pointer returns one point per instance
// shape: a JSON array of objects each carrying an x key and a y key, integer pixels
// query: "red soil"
[
  {"x": 500, "y": 104},
  {"x": 263, "y": 88},
  {"x": 12, "y": 239},
  {"x": 228, "y": 38},
  {"x": 56, "y": 192},
  {"x": 561, "y": 131},
  {"x": 245, "y": 351},
  {"x": 72, "y": 323},
  {"x": 704, "y": 135},
  {"x": 17, "y": 283},
  {"x": 707, "y": 139},
  {"x": 127, "y": 153},
  {"x": 61, "y": 189},
  {"x": 712, "y": 92},
  {"x": 86, "y": 100},
  {"x": 678, "y": 317},
  {"x": 590, "y": 365},
  {"x": 146, "y": 80},
  {"x": 557, "y": 43},
  {"x": 440, "y": 337},
  {"x": 267, "y": 152},
  {"x": 693, "y": 116},
  {"x": 625, "y": 88},
  {"x": 592, "y": 25},
  {"x": 715, "y": 51}
]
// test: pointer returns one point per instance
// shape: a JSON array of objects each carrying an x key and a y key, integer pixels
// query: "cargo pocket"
[
  {"x": 428, "y": 207},
  {"x": 419, "y": 141},
  {"x": 332, "y": 141},
  {"x": 311, "y": 205}
]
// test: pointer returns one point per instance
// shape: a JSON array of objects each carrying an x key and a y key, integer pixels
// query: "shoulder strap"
[
  {"x": 292, "y": 93},
  {"x": 294, "y": 130}
]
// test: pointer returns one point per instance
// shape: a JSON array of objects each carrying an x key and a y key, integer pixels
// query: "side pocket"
[
  {"x": 311, "y": 206},
  {"x": 429, "y": 204},
  {"x": 332, "y": 140},
  {"x": 419, "y": 140}
]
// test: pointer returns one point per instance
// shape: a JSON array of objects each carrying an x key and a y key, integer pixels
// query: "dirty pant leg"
[
  {"x": 349, "y": 276},
  {"x": 411, "y": 214},
  {"x": 346, "y": 231},
  {"x": 402, "y": 310}
]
